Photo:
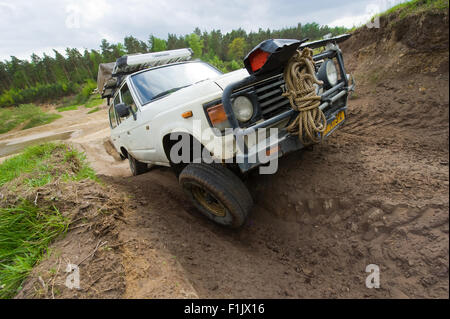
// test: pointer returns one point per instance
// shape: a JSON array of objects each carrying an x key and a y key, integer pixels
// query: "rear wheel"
[
  {"x": 217, "y": 193},
  {"x": 136, "y": 167}
]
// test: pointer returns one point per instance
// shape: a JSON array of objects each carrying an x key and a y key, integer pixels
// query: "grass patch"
[
  {"x": 41, "y": 119},
  {"x": 36, "y": 160},
  {"x": 12, "y": 117},
  {"x": 83, "y": 96},
  {"x": 415, "y": 7},
  {"x": 94, "y": 110},
  {"x": 26, "y": 230},
  {"x": 12, "y": 167},
  {"x": 94, "y": 101},
  {"x": 67, "y": 108},
  {"x": 25, "y": 233}
]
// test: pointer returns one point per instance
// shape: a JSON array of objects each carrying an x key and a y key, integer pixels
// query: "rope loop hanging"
[{"x": 300, "y": 77}]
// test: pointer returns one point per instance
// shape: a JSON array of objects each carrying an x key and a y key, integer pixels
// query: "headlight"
[
  {"x": 328, "y": 73},
  {"x": 243, "y": 108}
]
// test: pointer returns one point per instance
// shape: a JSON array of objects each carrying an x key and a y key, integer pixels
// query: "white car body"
[{"x": 143, "y": 137}]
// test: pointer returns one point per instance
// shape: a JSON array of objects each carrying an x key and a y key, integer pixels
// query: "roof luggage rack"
[{"x": 110, "y": 75}]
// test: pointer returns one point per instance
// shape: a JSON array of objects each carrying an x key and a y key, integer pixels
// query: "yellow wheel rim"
[{"x": 208, "y": 200}]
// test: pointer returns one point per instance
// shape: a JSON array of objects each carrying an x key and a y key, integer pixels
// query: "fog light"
[{"x": 328, "y": 73}]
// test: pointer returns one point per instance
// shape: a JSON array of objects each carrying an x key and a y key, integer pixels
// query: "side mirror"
[{"x": 122, "y": 110}]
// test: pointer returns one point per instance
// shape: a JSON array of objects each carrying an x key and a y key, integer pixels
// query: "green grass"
[
  {"x": 10, "y": 118},
  {"x": 67, "y": 108},
  {"x": 84, "y": 95},
  {"x": 35, "y": 159},
  {"x": 416, "y": 6},
  {"x": 26, "y": 230},
  {"x": 41, "y": 119},
  {"x": 94, "y": 110},
  {"x": 26, "y": 162},
  {"x": 89, "y": 101},
  {"x": 94, "y": 101}
]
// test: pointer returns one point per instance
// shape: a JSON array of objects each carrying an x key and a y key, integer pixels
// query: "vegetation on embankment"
[
  {"x": 412, "y": 38},
  {"x": 27, "y": 115},
  {"x": 28, "y": 226},
  {"x": 83, "y": 98},
  {"x": 49, "y": 92},
  {"x": 416, "y": 7}
]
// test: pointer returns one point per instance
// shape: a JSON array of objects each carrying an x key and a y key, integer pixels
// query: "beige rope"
[{"x": 300, "y": 78}]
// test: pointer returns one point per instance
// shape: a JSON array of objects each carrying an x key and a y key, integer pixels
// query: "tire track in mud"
[
  {"x": 362, "y": 197},
  {"x": 317, "y": 224}
]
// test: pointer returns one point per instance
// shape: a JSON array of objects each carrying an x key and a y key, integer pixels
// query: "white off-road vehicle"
[{"x": 159, "y": 100}]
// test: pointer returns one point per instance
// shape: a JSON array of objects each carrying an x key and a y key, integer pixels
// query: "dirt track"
[{"x": 376, "y": 192}]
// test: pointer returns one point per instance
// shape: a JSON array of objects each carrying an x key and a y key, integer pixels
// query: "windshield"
[{"x": 156, "y": 83}]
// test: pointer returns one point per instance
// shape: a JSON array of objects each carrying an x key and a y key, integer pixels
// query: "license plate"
[{"x": 340, "y": 117}]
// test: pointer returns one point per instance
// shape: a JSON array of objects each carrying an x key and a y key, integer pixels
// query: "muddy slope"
[{"x": 375, "y": 193}]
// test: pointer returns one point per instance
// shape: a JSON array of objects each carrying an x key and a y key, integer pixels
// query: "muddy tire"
[
  {"x": 217, "y": 193},
  {"x": 136, "y": 167}
]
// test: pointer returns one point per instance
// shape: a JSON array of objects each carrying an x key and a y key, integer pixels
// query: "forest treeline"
[{"x": 49, "y": 77}]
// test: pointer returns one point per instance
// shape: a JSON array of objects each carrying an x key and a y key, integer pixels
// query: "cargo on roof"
[{"x": 111, "y": 74}]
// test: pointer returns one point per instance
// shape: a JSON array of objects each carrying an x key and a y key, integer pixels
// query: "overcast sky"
[{"x": 39, "y": 26}]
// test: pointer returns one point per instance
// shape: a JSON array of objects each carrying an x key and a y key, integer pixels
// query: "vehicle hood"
[{"x": 228, "y": 78}]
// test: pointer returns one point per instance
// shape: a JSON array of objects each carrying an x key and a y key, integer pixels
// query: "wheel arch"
[
  {"x": 123, "y": 152},
  {"x": 168, "y": 143}
]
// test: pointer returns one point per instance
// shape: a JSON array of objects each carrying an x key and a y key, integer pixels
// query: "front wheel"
[
  {"x": 136, "y": 167},
  {"x": 217, "y": 193}
]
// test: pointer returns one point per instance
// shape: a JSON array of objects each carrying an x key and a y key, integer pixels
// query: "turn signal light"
[
  {"x": 217, "y": 114},
  {"x": 258, "y": 59},
  {"x": 187, "y": 114}
]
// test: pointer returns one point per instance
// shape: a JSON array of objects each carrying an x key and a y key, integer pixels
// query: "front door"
[{"x": 126, "y": 123}]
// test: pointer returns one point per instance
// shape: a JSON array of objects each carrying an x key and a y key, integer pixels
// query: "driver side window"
[
  {"x": 117, "y": 101},
  {"x": 127, "y": 98}
]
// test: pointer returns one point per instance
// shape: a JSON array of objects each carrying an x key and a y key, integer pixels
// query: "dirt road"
[{"x": 376, "y": 192}]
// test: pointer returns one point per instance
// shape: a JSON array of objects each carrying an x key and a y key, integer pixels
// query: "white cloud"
[{"x": 351, "y": 21}]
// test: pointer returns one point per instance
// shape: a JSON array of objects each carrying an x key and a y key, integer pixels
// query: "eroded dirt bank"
[{"x": 376, "y": 192}]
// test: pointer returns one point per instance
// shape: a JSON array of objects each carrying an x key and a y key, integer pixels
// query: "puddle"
[{"x": 10, "y": 148}]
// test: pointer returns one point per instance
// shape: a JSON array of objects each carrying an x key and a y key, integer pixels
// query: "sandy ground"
[{"x": 376, "y": 192}]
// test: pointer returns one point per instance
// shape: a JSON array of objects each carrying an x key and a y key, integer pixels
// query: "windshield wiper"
[{"x": 160, "y": 95}]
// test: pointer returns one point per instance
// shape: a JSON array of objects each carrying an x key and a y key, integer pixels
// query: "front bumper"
[
  {"x": 333, "y": 102},
  {"x": 272, "y": 148}
]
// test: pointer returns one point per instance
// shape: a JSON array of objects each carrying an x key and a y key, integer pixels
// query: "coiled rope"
[{"x": 299, "y": 76}]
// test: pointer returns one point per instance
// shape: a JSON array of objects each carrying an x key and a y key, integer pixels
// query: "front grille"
[{"x": 269, "y": 97}]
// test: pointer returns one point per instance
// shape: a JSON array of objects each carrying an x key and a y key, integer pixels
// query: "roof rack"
[{"x": 110, "y": 75}]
